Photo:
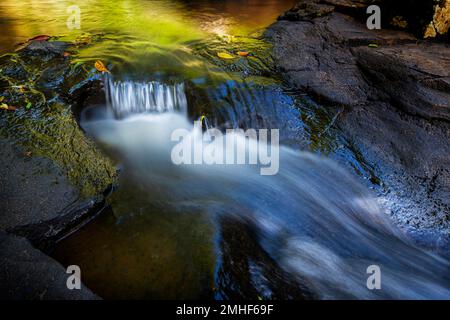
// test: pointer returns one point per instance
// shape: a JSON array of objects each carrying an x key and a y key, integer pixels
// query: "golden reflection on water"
[{"x": 160, "y": 22}]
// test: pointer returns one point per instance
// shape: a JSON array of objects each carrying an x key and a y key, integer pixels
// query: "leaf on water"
[
  {"x": 100, "y": 66},
  {"x": 4, "y": 106},
  {"x": 243, "y": 53},
  {"x": 373, "y": 45},
  {"x": 225, "y": 55},
  {"x": 42, "y": 37},
  {"x": 28, "y": 105}
]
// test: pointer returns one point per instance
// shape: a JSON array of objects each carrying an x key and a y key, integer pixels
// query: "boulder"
[
  {"x": 425, "y": 18},
  {"x": 389, "y": 93},
  {"x": 28, "y": 274}
]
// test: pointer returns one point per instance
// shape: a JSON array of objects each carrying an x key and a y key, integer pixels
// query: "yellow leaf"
[
  {"x": 100, "y": 66},
  {"x": 225, "y": 55},
  {"x": 4, "y": 106}
]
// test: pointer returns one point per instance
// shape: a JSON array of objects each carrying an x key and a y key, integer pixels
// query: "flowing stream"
[
  {"x": 219, "y": 231},
  {"x": 315, "y": 220}
]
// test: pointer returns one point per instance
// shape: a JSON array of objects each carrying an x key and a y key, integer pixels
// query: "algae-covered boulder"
[{"x": 48, "y": 162}]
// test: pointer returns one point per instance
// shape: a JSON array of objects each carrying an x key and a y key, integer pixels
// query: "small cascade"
[{"x": 130, "y": 97}]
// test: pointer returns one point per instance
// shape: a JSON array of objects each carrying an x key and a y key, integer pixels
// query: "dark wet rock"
[
  {"x": 43, "y": 122},
  {"x": 393, "y": 104},
  {"x": 415, "y": 77},
  {"x": 53, "y": 177},
  {"x": 316, "y": 57},
  {"x": 37, "y": 199},
  {"x": 307, "y": 10},
  {"x": 45, "y": 50},
  {"x": 25, "y": 183},
  {"x": 248, "y": 272},
  {"x": 28, "y": 274},
  {"x": 425, "y": 18}
]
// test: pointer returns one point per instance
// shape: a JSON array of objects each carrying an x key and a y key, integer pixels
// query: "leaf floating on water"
[
  {"x": 225, "y": 55},
  {"x": 28, "y": 106},
  {"x": 373, "y": 45},
  {"x": 243, "y": 53},
  {"x": 42, "y": 37},
  {"x": 100, "y": 66},
  {"x": 4, "y": 106}
]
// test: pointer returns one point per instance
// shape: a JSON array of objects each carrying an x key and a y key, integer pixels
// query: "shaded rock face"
[
  {"x": 53, "y": 177},
  {"x": 395, "y": 102},
  {"x": 28, "y": 274},
  {"x": 424, "y": 18},
  {"x": 42, "y": 133}
]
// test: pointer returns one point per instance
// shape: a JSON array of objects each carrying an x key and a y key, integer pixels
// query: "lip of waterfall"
[{"x": 130, "y": 97}]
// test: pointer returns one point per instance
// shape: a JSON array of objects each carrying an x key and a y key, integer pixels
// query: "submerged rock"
[{"x": 247, "y": 272}]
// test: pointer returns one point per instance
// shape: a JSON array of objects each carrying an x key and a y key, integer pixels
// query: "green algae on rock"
[{"x": 43, "y": 122}]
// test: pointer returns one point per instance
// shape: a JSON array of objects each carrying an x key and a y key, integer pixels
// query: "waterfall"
[{"x": 130, "y": 97}]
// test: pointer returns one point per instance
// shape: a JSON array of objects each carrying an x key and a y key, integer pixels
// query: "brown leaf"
[
  {"x": 42, "y": 37},
  {"x": 4, "y": 106}
]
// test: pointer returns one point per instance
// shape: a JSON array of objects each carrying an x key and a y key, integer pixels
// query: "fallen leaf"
[
  {"x": 4, "y": 106},
  {"x": 225, "y": 55},
  {"x": 28, "y": 154},
  {"x": 66, "y": 54},
  {"x": 28, "y": 106},
  {"x": 399, "y": 21},
  {"x": 243, "y": 53},
  {"x": 373, "y": 45},
  {"x": 100, "y": 66},
  {"x": 42, "y": 37}
]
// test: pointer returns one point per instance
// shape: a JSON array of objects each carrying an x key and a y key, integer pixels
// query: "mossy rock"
[{"x": 34, "y": 81}]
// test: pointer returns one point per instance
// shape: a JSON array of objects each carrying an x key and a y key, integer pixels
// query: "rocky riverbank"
[
  {"x": 52, "y": 176},
  {"x": 390, "y": 91}
]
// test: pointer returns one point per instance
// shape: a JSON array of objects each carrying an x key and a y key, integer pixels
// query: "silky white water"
[
  {"x": 127, "y": 97},
  {"x": 313, "y": 218}
]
